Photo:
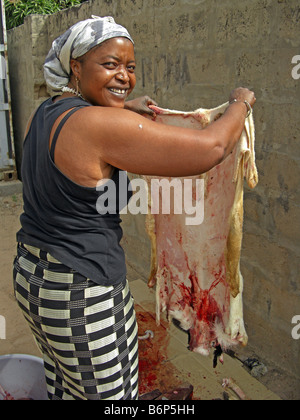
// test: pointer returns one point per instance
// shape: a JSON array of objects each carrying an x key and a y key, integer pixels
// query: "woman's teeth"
[{"x": 118, "y": 91}]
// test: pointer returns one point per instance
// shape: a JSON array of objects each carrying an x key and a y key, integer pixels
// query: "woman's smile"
[{"x": 118, "y": 92}]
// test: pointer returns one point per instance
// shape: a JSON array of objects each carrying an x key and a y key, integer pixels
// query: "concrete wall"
[{"x": 191, "y": 53}]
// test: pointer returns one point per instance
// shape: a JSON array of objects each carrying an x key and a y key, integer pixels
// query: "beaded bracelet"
[{"x": 249, "y": 107}]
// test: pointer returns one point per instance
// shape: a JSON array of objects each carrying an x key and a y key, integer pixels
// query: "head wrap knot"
[{"x": 74, "y": 43}]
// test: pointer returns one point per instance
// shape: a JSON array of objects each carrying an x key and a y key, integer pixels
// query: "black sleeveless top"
[{"x": 73, "y": 223}]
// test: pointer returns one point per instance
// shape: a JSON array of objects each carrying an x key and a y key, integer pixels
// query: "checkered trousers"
[{"x": 87, "y": 333}]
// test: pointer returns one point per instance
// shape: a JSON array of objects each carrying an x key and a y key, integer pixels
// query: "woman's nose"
[{"x": 122, "y": 75}]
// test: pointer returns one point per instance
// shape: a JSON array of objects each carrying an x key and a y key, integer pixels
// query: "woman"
[{"x": 70, "y": 274}]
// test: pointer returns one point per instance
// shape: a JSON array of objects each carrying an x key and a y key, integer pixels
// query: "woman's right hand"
[{"x": 243, "y": 94}]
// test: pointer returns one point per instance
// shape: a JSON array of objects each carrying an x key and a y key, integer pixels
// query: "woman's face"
[{"x": 107, "y": 73}]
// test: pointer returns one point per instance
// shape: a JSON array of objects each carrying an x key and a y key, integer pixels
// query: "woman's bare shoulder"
[{"x": 105, "y": 122}]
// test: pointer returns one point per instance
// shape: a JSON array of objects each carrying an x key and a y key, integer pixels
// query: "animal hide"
[{"x": 196, "y": 268}]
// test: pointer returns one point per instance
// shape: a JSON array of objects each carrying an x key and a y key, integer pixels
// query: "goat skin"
[{"x": 196, "y": 268}]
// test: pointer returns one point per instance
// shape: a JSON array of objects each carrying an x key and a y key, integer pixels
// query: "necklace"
[{"x": 70, "y": 90}]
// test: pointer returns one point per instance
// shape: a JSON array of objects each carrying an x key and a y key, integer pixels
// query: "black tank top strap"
[{"x": 59, "y": 128}]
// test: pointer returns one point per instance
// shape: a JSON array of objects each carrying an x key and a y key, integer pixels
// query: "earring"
[{"x": 77, "y": 86}]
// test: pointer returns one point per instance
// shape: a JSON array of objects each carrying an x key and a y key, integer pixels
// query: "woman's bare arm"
[{"x": 133, "y": 143}]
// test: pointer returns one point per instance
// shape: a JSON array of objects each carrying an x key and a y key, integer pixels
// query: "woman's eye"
[
  {"x": 110, "y": 65},
  {"x": 113, "y": 66}
]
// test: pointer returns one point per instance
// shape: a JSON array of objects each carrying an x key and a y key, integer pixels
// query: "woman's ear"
[{"x": 75, "y": 67}]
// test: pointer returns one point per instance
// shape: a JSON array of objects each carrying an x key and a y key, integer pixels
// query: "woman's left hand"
[{"x": 141, "y": 105}]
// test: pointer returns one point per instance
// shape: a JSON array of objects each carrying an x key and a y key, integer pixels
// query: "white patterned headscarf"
[{"x": 74, "y": 43}]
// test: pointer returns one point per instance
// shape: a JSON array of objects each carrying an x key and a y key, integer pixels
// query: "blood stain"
[{"x": 155, "y": 370}]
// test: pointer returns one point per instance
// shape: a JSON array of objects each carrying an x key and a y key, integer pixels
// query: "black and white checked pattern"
[{"x": 87, "y": 333}]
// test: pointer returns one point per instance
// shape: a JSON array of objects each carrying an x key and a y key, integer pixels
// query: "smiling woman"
[{"x": 70, "y": 273}]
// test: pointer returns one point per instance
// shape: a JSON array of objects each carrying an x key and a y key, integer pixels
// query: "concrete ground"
[{"x": 177, "y": 363}]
